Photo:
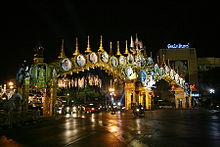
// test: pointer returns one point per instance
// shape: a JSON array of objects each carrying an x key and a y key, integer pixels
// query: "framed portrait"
[
  {"x": 93, "y": 58},
  {"x": 114, "y": 61},
  {"x": 172, "y": 73},
  {"x": 122, "y": 60},
  {"x": 66, "y": 64},
  {"x": 104, "y": 57},
  {"x": 176, "y": 77},
  {"x": 143, "y": 77},
  {"x": 130, "y": 59},
  {"x": 80, "y": 60},
  {"x": 150, "y": 61},
  {"x": 142, "y": 61},
  {"x": 167, "y": 69},
  {"x": 128, "y": 71}
]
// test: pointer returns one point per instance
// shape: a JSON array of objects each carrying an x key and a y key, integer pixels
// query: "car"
[{"x": 91, "y": 108}]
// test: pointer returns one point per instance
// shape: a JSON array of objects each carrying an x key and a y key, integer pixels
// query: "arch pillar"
[
  {"x": 49, "y": 99},
  {"x": 136, "y": 95},
  {"x": 180, "y": 98},
  {"x": 24, "y": 91},
  {"x": 130, "y": 96},
  {"x": 145, "y": 98}
]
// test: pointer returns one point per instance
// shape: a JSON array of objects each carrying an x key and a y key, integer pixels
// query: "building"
[
  {"x": 207, "y": 63},
  {"x": 209, "y": 81}
]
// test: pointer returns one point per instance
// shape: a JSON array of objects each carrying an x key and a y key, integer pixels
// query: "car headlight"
[{"x": 67, "y": 108}]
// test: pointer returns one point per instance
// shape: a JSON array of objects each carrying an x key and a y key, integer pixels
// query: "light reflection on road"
[{"x": 157, "y": 128}]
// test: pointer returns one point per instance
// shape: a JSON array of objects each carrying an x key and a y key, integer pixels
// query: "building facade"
[{"x": 207, "y": 63}]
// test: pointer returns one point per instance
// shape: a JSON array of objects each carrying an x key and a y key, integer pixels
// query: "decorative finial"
[
  {"x": 172, "y": 66},
  {"x": 136, "y": 41},
  {"x": 132, "y": 43},
  {"x": 126, "y": 48},
  {"x": 168, "y": 63},
  {"x": 101, "y": 49},
  {"x": 151, "y": 55},
  {"x": 110, "y": 48},
  {"x": 158, "y": 60},
  {"x": 77, "y": 50},
  {"x": 118, "y": 49},
  {"x": 62, "y": 53},
  {"x": 38, "y": 53},
  {"x": 88, "y": 49},
  {"x": 163, "y": 60},
  {"x": 141, "y": 45},
  {"x": 38, "y": 50},
  {"x": 145, "y": 52}
]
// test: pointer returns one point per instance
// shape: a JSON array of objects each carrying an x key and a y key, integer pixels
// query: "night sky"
[{"x": 24, "y": 24}]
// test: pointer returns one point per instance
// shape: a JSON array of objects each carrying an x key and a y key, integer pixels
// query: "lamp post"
[
  {"x": 112, "y": 91},
  {"x": 212, "y": 92},
  {"x": 11, "y": 85}
]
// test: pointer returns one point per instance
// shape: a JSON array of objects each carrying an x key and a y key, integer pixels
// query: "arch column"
[
  {"x": 24, "y": 91},
  {"x": 136, "y": 95},
  {"x": 180, "y": 98},
  {"x": 145, "y": 98},
  {"x": 49, "y": 99},
  {"x": 130, "y": 96}
]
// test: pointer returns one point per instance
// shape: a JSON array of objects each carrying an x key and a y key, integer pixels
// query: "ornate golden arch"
[
  {"x": 138, "y": 71},
  {"x": 132, "y": 66}
]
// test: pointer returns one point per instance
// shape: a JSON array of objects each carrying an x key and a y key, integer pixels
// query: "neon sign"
[{"x": 178, "y": 45}]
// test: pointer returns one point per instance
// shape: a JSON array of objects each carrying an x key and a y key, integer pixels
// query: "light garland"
[{"x": 91, "y": 80}]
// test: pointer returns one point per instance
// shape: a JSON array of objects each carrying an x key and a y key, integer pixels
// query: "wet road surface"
[{"x": 157, "y": 128}]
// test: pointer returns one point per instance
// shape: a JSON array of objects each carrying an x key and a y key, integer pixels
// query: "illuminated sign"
[
  {"x": 178, "y": 45},
  {"x": 195, "y": 95}
]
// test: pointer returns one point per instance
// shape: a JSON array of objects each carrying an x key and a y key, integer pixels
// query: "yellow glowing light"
[
  {"x": 111, "y": 89},
  {"x": 10, "y": 83}
]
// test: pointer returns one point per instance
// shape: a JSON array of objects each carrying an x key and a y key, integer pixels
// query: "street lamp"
[
  {"x": 212, "y": 91},
  {"x": 111, "y": 91},
  {"x": 11, "y": 85}
]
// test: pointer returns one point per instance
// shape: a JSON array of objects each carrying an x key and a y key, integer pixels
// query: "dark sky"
[{"x": 157, "y": 24}]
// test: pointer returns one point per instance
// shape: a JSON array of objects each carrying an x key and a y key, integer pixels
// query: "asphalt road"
[{"x": 157, "y": 128}]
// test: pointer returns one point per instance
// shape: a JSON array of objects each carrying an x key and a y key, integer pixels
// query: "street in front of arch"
[{"x": 156, "y": 128}]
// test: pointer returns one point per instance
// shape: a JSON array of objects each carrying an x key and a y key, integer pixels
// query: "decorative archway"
[{"x": 138, "y": 71}]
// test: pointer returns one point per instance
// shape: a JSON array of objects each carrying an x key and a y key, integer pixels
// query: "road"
[{"x": 157, "y": 128}]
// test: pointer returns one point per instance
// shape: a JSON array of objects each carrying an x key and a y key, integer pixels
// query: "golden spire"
[
  {"x": 77, "y": 50},
  {"x": 110, "y": 48},
  {"x": 163, "y": 60},
  {"x": 158, "y": 60},
  {"x": 151, "y": 55},
  {"x": 62, "y": 53},
  {"x": 145, "y": 52},
  {"x": 168, "y": 63},
  {"x": 118, "y": 49},
  {"x": 88, "y": 49},
  {"x": 101, "y": 49},
  {"x": 136, "y": 40},
  {"x": 126, "y": 48},
  {"x": 132, "y": 43}
]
